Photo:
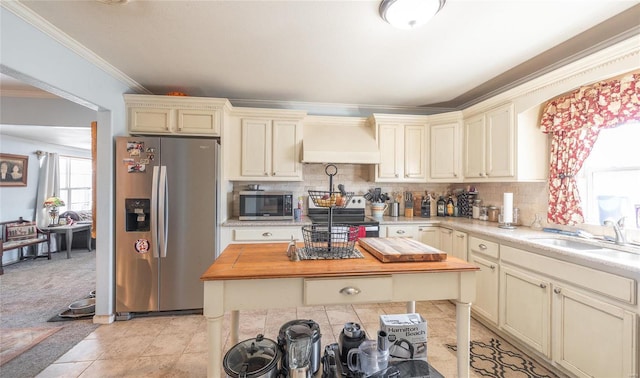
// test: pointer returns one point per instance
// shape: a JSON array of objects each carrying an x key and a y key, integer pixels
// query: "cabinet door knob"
[
  {"x": 482, "y": 246},
  {"x": 493, "y": 267},
  {"x": 543, "y": 285},
  {"x": 266, "y": 173},
  {"x": 480, "y": 174},
  {"x": 400, "y": 232},
  {"x": 557, "y": 290},
  {"x": 460, "y": 236},
  {"x": 267, "y": 234},
  {"x": 273, "y": 173},
  {"x": 349, "y": 290},
  {"x": 397, "y": 175}
]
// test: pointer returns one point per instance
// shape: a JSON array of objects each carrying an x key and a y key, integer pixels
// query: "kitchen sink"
[{"x": 564, "y": 243}]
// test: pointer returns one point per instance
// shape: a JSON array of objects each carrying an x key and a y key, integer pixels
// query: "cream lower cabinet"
[
  {"x": 259, "y": 234},
  {"x": 485, "y": 254},
  {"x": 460, "y": 246},
  {"x": 446, "y": 239},
  {"x": 430, "y": 235},
  {"x": 402, "y": 231},
  {"x": 525, "y": 307},
  {"x": 579, "y": 318},
  {"x": 593, "y": 338}
]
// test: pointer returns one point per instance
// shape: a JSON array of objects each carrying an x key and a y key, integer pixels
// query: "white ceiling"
[{"x": 339, "y": 52}]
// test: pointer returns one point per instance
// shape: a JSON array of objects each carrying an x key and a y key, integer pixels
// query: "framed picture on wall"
[{"x": 13, "y": 170}]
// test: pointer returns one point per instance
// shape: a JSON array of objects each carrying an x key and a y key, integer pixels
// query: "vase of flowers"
[{"x": 52, "y": 203}]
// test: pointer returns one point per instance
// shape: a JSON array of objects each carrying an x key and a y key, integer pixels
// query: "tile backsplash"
[{"x": 530, "y": 198}]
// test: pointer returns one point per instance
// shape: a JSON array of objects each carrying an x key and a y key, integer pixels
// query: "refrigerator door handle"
[
  {"x": 163, "y": 207},
  {"x": 154, "y": 212}
]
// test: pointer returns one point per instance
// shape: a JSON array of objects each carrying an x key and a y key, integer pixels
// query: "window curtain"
[
  {"x": 574, "y": 121},
  {"x": 48, "y": 185}
]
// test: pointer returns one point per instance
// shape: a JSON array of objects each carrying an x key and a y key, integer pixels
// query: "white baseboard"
[{"x": 104, "y": 319}]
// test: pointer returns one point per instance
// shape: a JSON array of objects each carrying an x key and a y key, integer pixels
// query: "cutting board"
[{"x": 401, "y": 250}]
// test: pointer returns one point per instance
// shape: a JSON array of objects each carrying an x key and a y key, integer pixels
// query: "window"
[
  {"x": 609, "y": 179},
  {"x": 75, "y": 183}
]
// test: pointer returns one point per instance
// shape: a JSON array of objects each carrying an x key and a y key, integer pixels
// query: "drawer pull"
[
  {"x": 557, "y": 290},
  {"x": 267, "y": 234},
  {"x": 543, "y": 285},
  {"x": 482, "y": 246},
  {"x": 460, "y": 236},
  {"x": 349, "y": 290},
  {"x": 400, "y": 232}
]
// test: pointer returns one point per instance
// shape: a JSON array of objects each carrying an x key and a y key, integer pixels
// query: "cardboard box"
[{"x": 407, "y": 333}]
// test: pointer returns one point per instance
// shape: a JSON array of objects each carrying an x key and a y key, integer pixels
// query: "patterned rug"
[
  {"x": 15, "y": 341},
  {"x": 500, "y": 359}
]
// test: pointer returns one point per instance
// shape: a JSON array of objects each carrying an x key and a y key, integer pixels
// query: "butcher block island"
[{"x": 261, "y": 276}]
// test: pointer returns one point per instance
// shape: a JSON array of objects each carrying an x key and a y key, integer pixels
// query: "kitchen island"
[{"x": 260, "y": 276}]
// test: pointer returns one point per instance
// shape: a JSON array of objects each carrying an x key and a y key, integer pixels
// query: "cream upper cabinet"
[
  {"x": 489, "y": 144},
  {"x": 502, "y": 146},
  {"x": 263, "y": 145},
  {"x": 402, "y": 141},
  {"x": 271, "y": 149},
  {"x": 175, "y": 115},
  {"x": 445, "y": 147}
]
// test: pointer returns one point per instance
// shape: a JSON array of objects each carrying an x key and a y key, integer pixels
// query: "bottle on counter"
[
  {"x": 441, "y": 207},
  {"x": 450, "y": 207},
  {"x": 426, "y": 207}
]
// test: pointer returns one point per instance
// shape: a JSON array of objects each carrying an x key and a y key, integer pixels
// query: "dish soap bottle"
[{"x": 450, "y": 207}]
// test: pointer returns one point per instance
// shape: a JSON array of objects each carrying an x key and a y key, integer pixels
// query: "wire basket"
[
  {"x": 339, "y": 242},
  {"x": 323, "y": 198}
]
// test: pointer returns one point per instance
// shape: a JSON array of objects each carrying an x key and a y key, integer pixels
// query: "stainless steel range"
[{"x": 352, "y": 214}]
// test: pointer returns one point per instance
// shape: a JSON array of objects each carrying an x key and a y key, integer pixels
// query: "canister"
[
  {"x": 492, "y": 213},
  {"x": 395, "y": 209},
  {"x": 483, "y": 213}
]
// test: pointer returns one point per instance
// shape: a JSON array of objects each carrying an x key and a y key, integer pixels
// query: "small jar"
[
  {"x": 483, "y": 213},
  {"x": 492, "y": 213},
  {"x": 475, "y": 210}
]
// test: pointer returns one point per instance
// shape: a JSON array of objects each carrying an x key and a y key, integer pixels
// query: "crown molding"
[
  {"x": 626, "y": 50},
  {"x": 65, "y": 40}
]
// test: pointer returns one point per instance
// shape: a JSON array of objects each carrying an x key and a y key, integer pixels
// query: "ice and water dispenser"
[{"x": 138, "y": 214}]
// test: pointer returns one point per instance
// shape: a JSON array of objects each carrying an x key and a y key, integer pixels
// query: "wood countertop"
[{"x": 258, "y": 260}]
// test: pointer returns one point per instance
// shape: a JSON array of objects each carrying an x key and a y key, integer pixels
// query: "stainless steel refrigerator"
[{"x": 166, "y": 221}]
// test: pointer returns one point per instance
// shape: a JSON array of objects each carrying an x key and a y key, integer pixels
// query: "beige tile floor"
[{"x": 175, "y": 346}]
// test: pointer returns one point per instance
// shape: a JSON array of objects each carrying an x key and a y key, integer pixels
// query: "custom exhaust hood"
[{"x": 348, "y": 140}]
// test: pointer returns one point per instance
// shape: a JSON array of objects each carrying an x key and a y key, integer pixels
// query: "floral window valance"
[{"x": 575, "y": 120}]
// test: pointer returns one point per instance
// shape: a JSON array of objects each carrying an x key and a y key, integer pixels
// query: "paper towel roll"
[{"x": 507, "y": 203}]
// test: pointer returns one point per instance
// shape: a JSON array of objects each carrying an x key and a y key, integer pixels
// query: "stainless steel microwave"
[{"x": 264, "y": 205}]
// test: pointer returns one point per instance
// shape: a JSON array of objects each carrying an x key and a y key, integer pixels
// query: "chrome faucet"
[{"x": 617, "y": 228}]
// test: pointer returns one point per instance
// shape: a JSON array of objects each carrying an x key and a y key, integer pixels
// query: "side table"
[{"x": 69, "y": 231}]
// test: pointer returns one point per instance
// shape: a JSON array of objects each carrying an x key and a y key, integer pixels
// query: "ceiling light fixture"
[{"x": 409, "y": 14}]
